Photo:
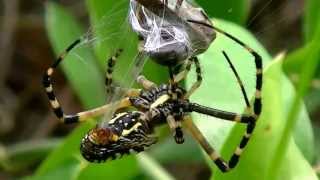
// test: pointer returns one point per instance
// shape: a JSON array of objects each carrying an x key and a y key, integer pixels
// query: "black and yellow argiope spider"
[
  {"x": 155, "y": 105},
  {"x": 132, "y": 130}
]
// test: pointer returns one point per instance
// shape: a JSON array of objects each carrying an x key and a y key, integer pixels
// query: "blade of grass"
[
  {"x": 20, "y": 156},
  {"x": 152, "y": 169},
  {"x": 311, "y": 19},
  {"x": 307, "y": 73}
]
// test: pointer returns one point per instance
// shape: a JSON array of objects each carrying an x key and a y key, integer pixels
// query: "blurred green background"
[{"x": 285, "y": 144}]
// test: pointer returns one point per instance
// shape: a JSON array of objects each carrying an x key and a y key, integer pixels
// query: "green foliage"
[
  {"x": 232, "y": 10},
  {"x": 273, "y": 152},
  {"x": 312, "y": 19}
]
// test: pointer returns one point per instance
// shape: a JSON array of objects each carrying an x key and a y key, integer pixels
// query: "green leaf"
[
  {"x": 21, "y": 156},
  {"x": 307, "y": 73},
  {"x": 232, "y": 10},
  {"x": 152, "y": 168},
  {"x": 303, "y": 135},
  {"x": 311, "y": 19},
  {"x": 187, "y": 152},
  {"x": 296, "y": 59},
  {"x": 221, "y": 91}
]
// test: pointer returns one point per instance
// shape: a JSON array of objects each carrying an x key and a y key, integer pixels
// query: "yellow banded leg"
[
  {"x": 145, "y": 83},
  {"x": 83, "y": 116},
  {"x": 132, "y": 92},
  {"x": 47, "y": 82},
  {"x": 197, "y": 84},
  {"x": 185, "y": 70},
  {"x": 176, "y": 129},
  {"x": 249, "y": 120},
  {"x": 213, "y": 154},
  {"x": 110, "y": 65},
  {"x": 257, "y": 105}
]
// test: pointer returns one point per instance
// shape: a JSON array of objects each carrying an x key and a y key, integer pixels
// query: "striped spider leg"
[
  {"x": 175, "y": 122},
  {"x": 81, "y": 116},
  {"x": 249, "y": 119},
  {"x": 110, "y": 65}
]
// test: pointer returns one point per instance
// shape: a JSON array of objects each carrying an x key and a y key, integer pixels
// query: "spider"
[
  {"x": 154, "y": 105},
  {"x": 167, "y": 103}
]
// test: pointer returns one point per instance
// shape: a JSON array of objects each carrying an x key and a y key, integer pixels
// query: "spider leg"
[
  {"x": 250, "y": 120},
  {"x": 82, "y": 116},
  {"x": 197, "y": 84},
  {"x": 145, "y": 83},
  {"x": 85, "y": 115},
  {"x": 46, "y": 81},
  {"x": 110, "y": 65},
  {"x": 173, "y": 85},
  {"x": 186, "y": 68},
  {"x": 184, "y": 73},
  {"x": 213, "y": 154},
  {"x": 176, "y": 129},
  {"x": 174, "y": 125},
  {"x": 258, "y": 63},
  {"x": 245, "y": 96}
]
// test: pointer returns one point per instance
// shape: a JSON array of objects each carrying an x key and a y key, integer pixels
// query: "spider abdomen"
[{"x": 129, "y": 133}]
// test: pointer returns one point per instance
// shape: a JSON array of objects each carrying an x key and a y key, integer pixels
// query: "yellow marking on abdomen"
[{"x": 133, "y": 128}]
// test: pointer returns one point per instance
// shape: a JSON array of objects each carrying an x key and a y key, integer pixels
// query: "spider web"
[
  {"x": 119, "y": 28},
  {"x": 109, "y": 32},
  {"x": 116, "y": 29}
]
